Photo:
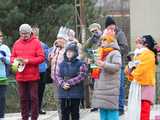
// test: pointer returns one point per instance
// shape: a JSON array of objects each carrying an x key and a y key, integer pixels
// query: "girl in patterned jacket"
[{"x": 72, "y": 72}]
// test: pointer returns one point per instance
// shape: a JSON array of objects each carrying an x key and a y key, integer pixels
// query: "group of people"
[
  {"x": 35, "y": 57},
  {"x": 102, "y": 57}
]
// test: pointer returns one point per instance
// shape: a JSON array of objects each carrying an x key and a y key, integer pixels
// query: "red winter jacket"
[{"x": 30, "y": 49}]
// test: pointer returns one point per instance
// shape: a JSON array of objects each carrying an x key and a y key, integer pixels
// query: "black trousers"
[
  {"x": 70, "y": 107},
  {"x": 41, "y": 88},
  {"x": 3, "y": 89}
]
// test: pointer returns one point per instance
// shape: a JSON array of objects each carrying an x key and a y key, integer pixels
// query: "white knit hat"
[{"x": 25, "y": 28}]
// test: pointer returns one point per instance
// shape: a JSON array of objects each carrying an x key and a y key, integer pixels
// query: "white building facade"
[{"x": 144, "y": 18}]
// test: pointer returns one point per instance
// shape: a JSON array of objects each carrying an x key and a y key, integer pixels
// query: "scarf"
[{"x": 102, "y": 52}]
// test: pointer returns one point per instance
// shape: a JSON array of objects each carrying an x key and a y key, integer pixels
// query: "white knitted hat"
[{"x": 25, "y": 28}]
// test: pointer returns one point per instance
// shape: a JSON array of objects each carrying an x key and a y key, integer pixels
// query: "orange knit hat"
[{"x": 108, "y": 38}]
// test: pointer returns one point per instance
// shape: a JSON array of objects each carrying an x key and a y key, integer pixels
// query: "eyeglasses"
[{"x": 93, "y": 31}]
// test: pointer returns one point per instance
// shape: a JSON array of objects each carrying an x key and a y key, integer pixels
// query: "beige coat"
[{"x": 106, "y": 89}]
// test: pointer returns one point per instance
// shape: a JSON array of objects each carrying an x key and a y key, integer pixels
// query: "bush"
[{"x": 13, "y": 103}]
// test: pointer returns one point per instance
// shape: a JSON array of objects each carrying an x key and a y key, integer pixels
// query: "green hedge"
[{"x": 12, "y": 98}]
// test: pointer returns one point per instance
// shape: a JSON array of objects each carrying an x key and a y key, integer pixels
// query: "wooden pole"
[
  {"x": 83, "y": 38},
  {"x": 82, "y": 21}
]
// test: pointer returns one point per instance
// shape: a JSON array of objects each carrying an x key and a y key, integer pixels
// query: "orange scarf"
[{"x": 102, "y": 52}]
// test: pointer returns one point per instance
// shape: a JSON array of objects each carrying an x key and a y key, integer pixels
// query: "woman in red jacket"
[{"x": 28, "y": 50}]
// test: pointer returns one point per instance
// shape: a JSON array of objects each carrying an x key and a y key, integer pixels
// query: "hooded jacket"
[
  {"x": 72, "y": 72},
  {"x": 28, "y": 49}
]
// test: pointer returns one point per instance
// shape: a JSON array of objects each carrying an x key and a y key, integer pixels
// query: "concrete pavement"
[{"x": 85, "y": 115}]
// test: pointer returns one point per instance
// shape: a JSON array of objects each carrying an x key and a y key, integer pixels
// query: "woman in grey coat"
[{"x": 106, "y": 89}]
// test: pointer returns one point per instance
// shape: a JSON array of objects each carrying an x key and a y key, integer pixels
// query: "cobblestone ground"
[{"x": 85, "y": 115}]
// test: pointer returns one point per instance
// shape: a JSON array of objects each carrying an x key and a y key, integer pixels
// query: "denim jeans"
[
  {"x": 122, "y": 90},
  {"x": 3, "y": 89}
]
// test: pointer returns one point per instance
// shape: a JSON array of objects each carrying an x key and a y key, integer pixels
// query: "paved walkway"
[{"x": 85, "y": 115}]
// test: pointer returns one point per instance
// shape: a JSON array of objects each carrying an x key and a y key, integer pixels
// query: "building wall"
[
  {"x": 113, "y": 5},
  {"x": 144, "y": 18}
]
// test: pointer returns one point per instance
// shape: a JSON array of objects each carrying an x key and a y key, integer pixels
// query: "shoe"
[
  {"x": 121, "y": 113},
  {"x": 42, "y": 112},
  {"x": 94, "y": 109}
]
